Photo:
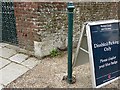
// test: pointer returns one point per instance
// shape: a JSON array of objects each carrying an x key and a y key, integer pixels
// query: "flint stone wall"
[{"x": 43, "y": 26}]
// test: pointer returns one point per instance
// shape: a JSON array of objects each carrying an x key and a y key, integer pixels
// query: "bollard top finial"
[{"x": 70, "y": 5}]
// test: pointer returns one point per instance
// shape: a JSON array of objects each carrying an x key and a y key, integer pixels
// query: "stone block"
[
  {"x": 3, "y": 62},
  {"x": 6, "y": 52},
  {"x": 13, "y": 47},
  {"x": 19, "y": 58},
  {"x": 42, "y": 49},
  {"x": 11, "y": 72},
  {"x": 30, "y": 62}
]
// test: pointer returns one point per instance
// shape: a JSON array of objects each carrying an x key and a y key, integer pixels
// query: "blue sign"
[{"x": 105, "y": 48}]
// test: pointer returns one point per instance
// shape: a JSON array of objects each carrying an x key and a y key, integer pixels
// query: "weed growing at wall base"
[{"x": 54, "y": 53}]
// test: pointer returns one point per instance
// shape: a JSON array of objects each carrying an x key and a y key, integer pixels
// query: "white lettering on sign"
[
  {"x": 111, "y": 58},
  {"x": 107, "y": 59},
  {"x": 108, "y": 62},
  {"x": 114, "y": 62},
  {"x": 105, "y": 27},
  {"x": 107, "y": 49},
  {"x": 109, "y": 43},
  {"x": 103, "y": 60},
  {"x": 108, "y": 25},
  {"x": 102, "y": 66}
]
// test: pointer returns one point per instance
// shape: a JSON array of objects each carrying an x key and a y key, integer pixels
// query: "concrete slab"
[
  {"x": 19, "y": 58},
  {"x": 3, "y": 62},
  {"x": 13, "y": 47},
  {"x": 3, "y": 44},
  {"x": 0, "y": 78},
  {"x": 6, "y": 52},
  {"x": 30, "y": 62},
  {"x": 11, "y": 72},
  {"x": 1, "y": 87}
]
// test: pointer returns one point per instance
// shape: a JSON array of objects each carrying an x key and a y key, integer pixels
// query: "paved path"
[{"x": 13, "y": 64}]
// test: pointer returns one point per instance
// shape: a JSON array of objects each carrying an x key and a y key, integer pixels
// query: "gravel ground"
[{"x": 49, "y": 74}]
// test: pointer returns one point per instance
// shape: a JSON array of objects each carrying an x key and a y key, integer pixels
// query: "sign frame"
[
  {"x": 81, "y": 52},
  {"x": 90, "y": 49}
]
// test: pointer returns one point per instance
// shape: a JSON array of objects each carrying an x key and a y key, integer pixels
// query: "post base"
[{"x": 72, "y": 81}]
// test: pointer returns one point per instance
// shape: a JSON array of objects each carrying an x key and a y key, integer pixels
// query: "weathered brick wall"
[
  {"x": 46, "y": 22},
  {"x": 33, "y": 18},
  {"x": 25, "y": 24}
]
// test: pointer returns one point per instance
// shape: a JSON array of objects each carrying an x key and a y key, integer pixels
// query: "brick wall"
[
  {"x": 46, "y": 21},
  {"x": 32, "y": 17},
  {"x": 25, "y": 24}
]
